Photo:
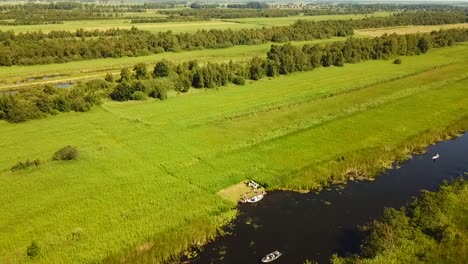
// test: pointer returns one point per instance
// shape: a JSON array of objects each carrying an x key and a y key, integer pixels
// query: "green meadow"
[
  {"x": 285, "y": 21},
  {"x": 177, "y": 27},
  {"x": 144, "y": 188},
  {"x": 86, "y": 69}
]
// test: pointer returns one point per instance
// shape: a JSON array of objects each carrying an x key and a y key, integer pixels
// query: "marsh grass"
[{"x": 366, "y": 164}]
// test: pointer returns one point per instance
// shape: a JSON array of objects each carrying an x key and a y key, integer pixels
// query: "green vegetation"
[
  {"x": 66, "y": 153},
  {"x": 21, "y": 165},
  {"x": 377, "y": 32},
  {"x": 62, "y": 46},
  {"x": 33, "y": 250},
  {"x": 149, "y": 171},
  {"x": 19, "y": 76},
  {"x": 150, "y": 178},
  {"x": 38, "y": 102},
  {"x": 177, "y": 26},
  {"x": 433, "y": 229},
  {"x": 286, "y": 59}
]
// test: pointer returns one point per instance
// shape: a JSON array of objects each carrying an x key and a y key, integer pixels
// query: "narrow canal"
[{"x": 314, "y": 226}]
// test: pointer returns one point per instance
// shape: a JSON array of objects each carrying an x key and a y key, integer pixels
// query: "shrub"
[
  {"x": 80, "y": 105},
  {"x": 33, "y": 250},
  {"x": 162, "y": 93},
  {"x": 109, "y": 77},
  {"x": 21, "y": 165},
  {"x": 139, "y": 96},
  {"x": 97, "y": 84},
  {"x": 141, "y": 71},
  {"x": 66, "y": 153},
  {"x": 397, "y": 61},
  {"x": 122, "y": 92},
  {"x": 238, "y": 80},
  {"x": 126, "y": 75}
]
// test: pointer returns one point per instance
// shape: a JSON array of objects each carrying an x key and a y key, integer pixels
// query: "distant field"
[
  {"x": 190, "y": 26},
  {"x": 149, "y": 171},
  {"x": 375, "y": 32},
  {"x": 99, "y": 67},
  {"x": 284, "y": 21}
]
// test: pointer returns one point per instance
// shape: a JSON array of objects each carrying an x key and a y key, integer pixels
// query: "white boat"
[
  {"x": 255, "y": 199},
  {"x": 253, "y": 184},
  {"x": 271, "y": 257},
  {"x": 436, "y": 156}
]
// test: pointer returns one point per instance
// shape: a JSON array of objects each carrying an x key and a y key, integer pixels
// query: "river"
[{"x": 315, "y": 225}]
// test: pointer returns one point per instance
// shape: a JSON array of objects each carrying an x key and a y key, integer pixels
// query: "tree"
[
  {"x": 271, "y": 68},
  {"x": 122, "y": 92},
  {"x": 162, "y": 68},
  {"x": 256, "y": 69},
  {"x": 141, "y": 71},
  {"x": 423, "y": 44},
  {"x": 126, "y": 75},
  {"x": 198, "y": 80}
]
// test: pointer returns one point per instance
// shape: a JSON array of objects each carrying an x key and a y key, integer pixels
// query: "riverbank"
[{"x": 317, "y": 225}]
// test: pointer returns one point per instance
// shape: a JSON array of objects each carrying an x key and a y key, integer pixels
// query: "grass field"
[
  {"x": 375, "y": 32},
  {"x": 176, "y": 27},
  {"x": 17, "y": 76},
  {"x": 284, "y": 21},
  {"x": 145, "y": 186}
]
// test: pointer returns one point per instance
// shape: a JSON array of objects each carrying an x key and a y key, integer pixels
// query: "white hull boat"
[
  {"x": 255, "y": 199},
  {"x": 271, "y": 257}
]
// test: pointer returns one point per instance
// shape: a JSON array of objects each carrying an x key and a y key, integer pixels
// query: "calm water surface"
[{"x": 313, "y": 226}]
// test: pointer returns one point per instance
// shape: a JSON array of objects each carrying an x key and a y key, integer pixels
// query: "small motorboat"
[
  {"x": 255, "y": 199},
  {"x": 272, "y": 256},
  {"x": 435, "y": 157}
]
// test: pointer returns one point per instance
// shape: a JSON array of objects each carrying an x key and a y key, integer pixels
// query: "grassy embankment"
[{"x": 145, "y": 185}]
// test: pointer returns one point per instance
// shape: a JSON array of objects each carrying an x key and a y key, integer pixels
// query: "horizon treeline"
[
  {"x": 58, "y": 12},
  {"x": 64, "y": 46},
  {"x": 141, "y": 83}
]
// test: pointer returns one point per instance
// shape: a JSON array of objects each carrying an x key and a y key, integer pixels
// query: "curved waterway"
[{"x": 314, "y": 226}]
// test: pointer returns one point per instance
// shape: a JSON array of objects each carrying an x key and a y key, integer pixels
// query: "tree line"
[
  {"x": 170, "y": 18},
  {"x": 286, "y": 59},
  {"x": 230, "y": 13},
  {"x": 36, "y": 48},
  {"x": 59, "y": 46},
  {"x": 35, "y": 103},
  {"x": 140, "y": 82}
]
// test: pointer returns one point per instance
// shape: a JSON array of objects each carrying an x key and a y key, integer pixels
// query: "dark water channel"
[{"x": 313, "y": 226}]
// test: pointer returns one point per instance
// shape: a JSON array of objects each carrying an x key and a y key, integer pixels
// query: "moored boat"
[
  {"x": 271, "y": 257},
  {"x": 255, "y": 199}
]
